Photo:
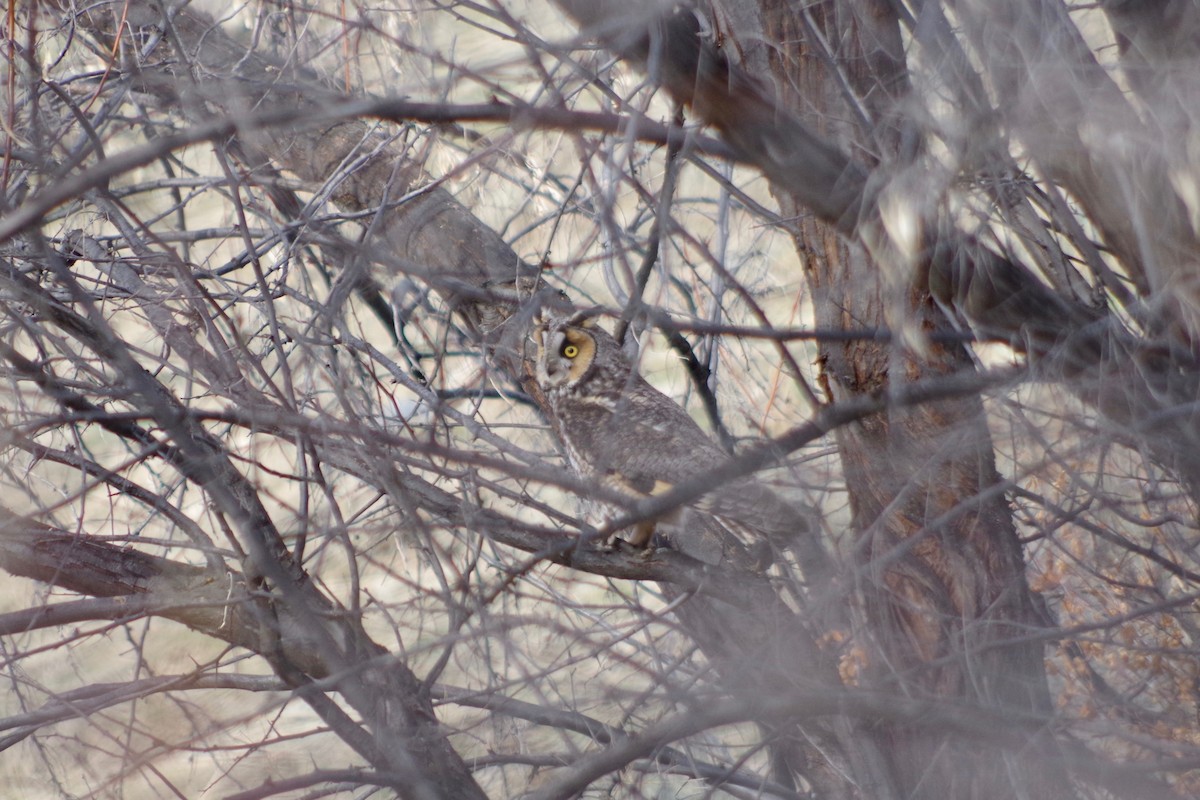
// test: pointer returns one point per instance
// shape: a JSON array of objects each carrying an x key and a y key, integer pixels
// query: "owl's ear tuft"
[{"x": 585, "y": 317}]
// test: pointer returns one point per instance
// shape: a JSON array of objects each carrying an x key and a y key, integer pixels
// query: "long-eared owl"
[{"x": 618, "y": 428}]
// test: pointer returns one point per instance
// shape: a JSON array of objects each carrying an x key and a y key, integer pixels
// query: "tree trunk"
[{"x": 945, "y": 603}]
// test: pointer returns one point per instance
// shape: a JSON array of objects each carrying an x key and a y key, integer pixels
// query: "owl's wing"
[
  {"x": 656, "y": 445},
  {"x": 760, "y": 512},
  {"x": 675, "y": 449},
  {"x": 645, "y": 444},
  {"x": 763, "y": 511}
]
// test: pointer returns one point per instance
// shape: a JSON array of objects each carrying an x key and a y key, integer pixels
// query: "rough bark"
[{"x": 942, "y": 570}]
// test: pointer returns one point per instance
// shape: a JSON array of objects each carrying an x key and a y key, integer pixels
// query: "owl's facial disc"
[{"x": 564, "y": 355}]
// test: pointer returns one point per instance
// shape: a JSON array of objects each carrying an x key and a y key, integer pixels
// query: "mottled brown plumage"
[{"x": 617, "y": 427}]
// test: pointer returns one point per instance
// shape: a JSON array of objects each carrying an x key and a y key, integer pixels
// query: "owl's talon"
[
  {"x": 644, "y": 551},
  {"x": 762, "y": 556}
]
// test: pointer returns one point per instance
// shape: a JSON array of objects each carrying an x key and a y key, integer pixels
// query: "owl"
[{"x": 620, "y": 430}]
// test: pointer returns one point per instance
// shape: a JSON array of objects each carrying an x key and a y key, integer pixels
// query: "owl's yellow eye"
[{"x": 570, "y": 351}]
